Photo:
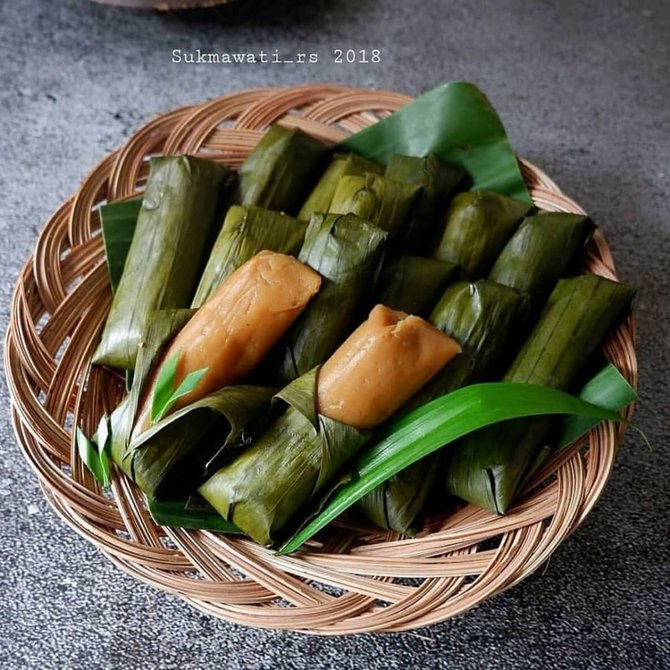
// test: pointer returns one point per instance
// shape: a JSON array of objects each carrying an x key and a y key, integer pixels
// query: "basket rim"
[{"x": 32, "y": 366}]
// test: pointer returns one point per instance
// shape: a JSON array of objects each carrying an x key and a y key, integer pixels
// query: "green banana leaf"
[
  {"x": 178, "y": 453},
  {"x": 384, "y": 202},
  {"x": 456, "y": 122},
  {"x": 281, "y": 169},
  {"x": 299, "y": 453},
  {"x": 440, "y": 423},
  {"x": 346, "y": 251},
  {"x": 118, "y": 221},
  {"x": 487, "y": 468},
  {"x": 161, "y": 460},
  {"x": 608, "y": 388},
  {"x": 540, "y": 251},
  {"x": 480, "y": 316},
  {"x": 397, "y": 503},
  {"x": 579, "y": 313},
  {"x": 245, "y": 232},
  {"x": 413, "y": 284},
  {"x": 161, "y": 328},
  {"x": 164, "y": 258},
  {"x": 477, "y": 226},
  {"x": 438, "y": 181},
  {"x": 342, "y": 165}
]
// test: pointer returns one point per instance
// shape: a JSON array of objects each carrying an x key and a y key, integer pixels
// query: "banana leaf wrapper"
[
  {"x": 479, "y": 316},
  {"x": 281, "y": 169},
  {"x": 245, "y": 232},
  {"x": 413, "y": 284},
  {"x": 166, "y": 252},
  {"x": 478, "y": 224},
  {"x": 398, "y": 503},
  {"x": 384, "y": 202},
  {"x": 457, "y": 122},
  {"x": 176, "y": 454},
  {"x": 162, "y": 327},
  {"x": 487, "y": 467},
  {"x": 346, "y": 251},
  {"x": 118, "y": 221},
  {"x": 540, "y": 251},
  {"x": 263, "y": 489},
  {"x": 342, "y": 165},
  {"x": 438, "y": 181}
]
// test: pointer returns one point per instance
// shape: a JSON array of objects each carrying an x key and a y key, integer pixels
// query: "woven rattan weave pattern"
[{"x": 353, "y": 578}]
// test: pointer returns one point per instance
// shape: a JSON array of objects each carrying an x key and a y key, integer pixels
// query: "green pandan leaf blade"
[
  {"x": 97, "y": 461},
  {"x": 440, "y": 423},
  {"x": 187, "y": 385},
  {"x": 102, "y": 435},
  {"x": 179, "y": 514},
  {"x": 164, "y": 388}
]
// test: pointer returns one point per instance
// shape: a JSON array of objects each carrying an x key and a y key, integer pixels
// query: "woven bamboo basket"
[{"x": 351, "y": 578}]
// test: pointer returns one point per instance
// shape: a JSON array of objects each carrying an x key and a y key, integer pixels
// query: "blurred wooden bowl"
[{"x": 163, "y": 5}]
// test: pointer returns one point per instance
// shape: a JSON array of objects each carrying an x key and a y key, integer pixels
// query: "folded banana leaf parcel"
[
  {"x": 168, "y": 244},
  {"x": 245, "y": 232},
  {"x": 186, "y": 406},
  {"x": 439, "y": 182},
  {"x": 346, "y": 251},
  {"x": 278, "y": 173},
  {"x": 177, "y": 453},
  {"x": 488, "y": 467},
  {"x": 385, "y": 202},
  {"x": 262, "y": 489},
  {"x": 488, "y": 318},
  {"x": 479, "y": 316},
  {"x": 342, "y": 165}
]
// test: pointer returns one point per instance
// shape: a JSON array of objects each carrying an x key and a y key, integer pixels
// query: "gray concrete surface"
[{"x": 583, "y": 89}]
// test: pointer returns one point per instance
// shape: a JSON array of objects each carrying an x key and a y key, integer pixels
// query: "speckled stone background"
[{"x": 583, "y": 88}]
